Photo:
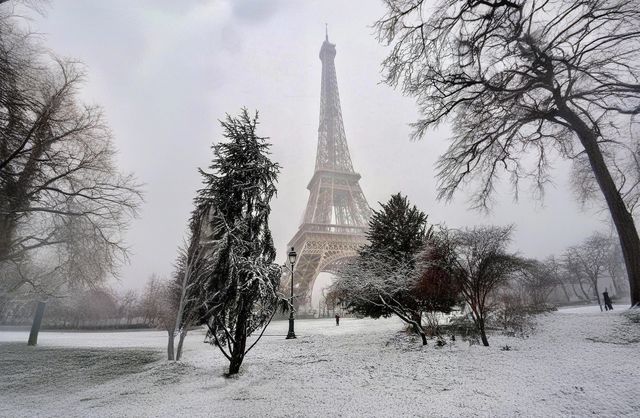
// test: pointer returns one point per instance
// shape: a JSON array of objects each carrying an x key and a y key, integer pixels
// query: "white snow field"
[{"x": 579, "y": 362}]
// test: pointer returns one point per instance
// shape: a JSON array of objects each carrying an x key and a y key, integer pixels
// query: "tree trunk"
[
  {"x": 423, "y": 336},
  {"x": 483, "y": 334},
  {"x": 183, "y": 334},
  {"x": 584, "y": 292},
  {"x": 234, "y": 365},
  {"x": 595, "y": 290},
  {"x": 622, "y": 219},
  {"x": 240, "y": 336},
  {"x": 417, "y": 317},
  {"x": 171, "y": 338},
  {"x": 417, "y": 326},
  {"x": 37, "y": 321}
]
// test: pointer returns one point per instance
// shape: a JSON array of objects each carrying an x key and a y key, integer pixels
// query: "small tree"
[
  {"x": 537, "y": 281},
  {"x": 191, "y": 266},
  {"x": 435, "y": 287},
  {"x": 168, "y": 299},
  {"x": 383, "y": 280},
  {"x": 152, "y": 301},
  {"x": 478, "y": 259},
  {"x": 557, "y": 275},
  {"x": 129, "y": 306},
  {"x": 588, "y": 261},
  {"x": 239, "y": 295}
]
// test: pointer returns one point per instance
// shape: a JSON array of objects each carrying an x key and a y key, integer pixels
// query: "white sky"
[{"x": 166, "y": 71}]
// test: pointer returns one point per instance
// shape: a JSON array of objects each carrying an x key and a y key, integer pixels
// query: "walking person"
[
  {"x": 607, "y": 301},
  {"x": 337, "y": 319}
]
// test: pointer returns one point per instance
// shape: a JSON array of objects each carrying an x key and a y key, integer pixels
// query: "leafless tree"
[
  {"x": 167, "y": 306},
  {"x": 478, "y": 259},
  {"x": 152, "y": 302},
  {"x": 63, "y": 202},
  {"x": 129, "y": 306},
  {"x": 574, "y": 276},
  {"x": 537, "y": 281},
  {"x": 557, "y": 275},
  {"x": 589, "y": 261},
  {"x": 522, "y": 80},
  {"x": 191, "y": 267}
]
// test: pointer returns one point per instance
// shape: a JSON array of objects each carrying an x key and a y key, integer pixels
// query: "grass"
[{"x": 34, "y": 369}]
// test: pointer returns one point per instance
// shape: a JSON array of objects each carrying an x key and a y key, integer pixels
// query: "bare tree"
[
  {"x": 151, "y": 304},
  {"x": 557, "y": 275},
  {"x": 63, "y": 203},
  {"x": 589, "y": 261},
  {"x": 574, "y": 276},
  {"x": 521, "y": 80},
  {"x": 129, "y": 306},
  {"x": 537, "y": 281},
  {"x": 168, "y": 299},
  {"x": 191, "y": 268},
  {"x": 478, "y": 259}
]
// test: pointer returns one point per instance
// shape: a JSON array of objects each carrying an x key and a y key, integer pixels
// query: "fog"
[{"x": 166, "y": 71}]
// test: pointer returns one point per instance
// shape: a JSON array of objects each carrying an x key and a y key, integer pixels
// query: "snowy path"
[{"x": 578, "y": 363}]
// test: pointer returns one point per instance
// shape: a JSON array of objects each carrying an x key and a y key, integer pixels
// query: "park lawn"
[{"x": 578, "y": 362}]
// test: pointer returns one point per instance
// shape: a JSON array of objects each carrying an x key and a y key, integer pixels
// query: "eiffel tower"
[{"x": 337, "y": 213}]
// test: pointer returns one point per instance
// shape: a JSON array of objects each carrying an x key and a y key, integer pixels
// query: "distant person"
[
  {"x": 607, "y": 301},
  {"x": 337, "y": 319}
]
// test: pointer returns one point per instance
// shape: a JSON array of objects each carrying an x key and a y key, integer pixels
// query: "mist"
[{"x": 166, "y": 72}]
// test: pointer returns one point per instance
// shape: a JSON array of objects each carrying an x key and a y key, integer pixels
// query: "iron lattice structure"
[{"x": 337, "y": 213}]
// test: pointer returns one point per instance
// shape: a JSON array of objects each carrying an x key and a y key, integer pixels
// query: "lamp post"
[{"x": 292, "y": 260}]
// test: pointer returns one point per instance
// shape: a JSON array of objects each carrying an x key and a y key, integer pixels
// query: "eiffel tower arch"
[{"x": 337, "y": 213}]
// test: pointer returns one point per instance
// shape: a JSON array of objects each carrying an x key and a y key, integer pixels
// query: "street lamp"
[{"x": 292, "y": 260}]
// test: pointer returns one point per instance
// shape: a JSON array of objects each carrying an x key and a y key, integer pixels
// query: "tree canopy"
[{"x": 520, "y": 81}]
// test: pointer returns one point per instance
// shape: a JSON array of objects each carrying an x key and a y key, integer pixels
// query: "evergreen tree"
[
  {"x": 238, "y": 294},
  {"x": 398, "y": 230},
  {"x": 382, "y": 280}
]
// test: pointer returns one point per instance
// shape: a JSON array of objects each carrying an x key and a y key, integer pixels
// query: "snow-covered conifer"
[{"x": 237, "y": 294}]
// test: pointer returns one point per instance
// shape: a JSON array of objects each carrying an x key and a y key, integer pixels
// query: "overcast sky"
[{"x": 166, "y": 71}]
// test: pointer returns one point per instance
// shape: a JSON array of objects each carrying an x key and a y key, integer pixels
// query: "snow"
[
  {"x": 578, "y": 362},
  {"x": 589, "y": 309}
]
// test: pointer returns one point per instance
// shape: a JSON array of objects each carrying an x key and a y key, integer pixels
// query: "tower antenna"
[{"x": 326, "y": 32}]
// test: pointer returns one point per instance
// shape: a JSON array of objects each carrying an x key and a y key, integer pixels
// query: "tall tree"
[
  {"x": 64, "y": 205},
  {"x": 520, "y": 80},
  {"x": 63, "y": 202},
  {"x": 239, "y": 296}
]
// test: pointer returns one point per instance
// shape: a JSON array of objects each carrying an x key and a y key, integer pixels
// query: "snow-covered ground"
[{"x": 579, "y": 362}]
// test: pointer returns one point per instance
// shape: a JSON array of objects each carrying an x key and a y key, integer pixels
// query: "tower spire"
[
  {"x": 326, "y": 32},
  {"x": 333, "y": 153}
]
